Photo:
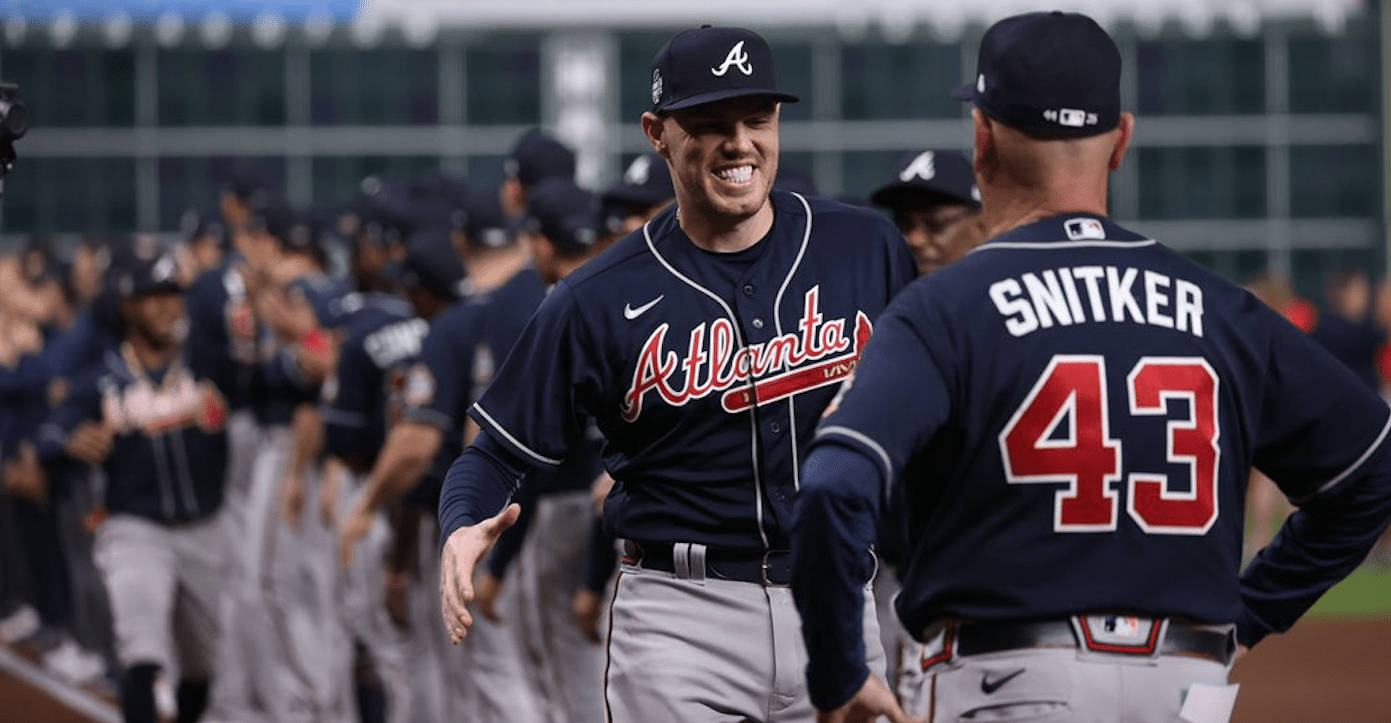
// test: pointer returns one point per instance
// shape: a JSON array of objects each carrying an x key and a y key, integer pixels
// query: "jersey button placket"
[{"x": 757, "y": 322}]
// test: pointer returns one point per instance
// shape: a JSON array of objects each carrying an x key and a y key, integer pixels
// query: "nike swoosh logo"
[
  {"x": 630, "y": 313},
  {"x": 988, "y": 686}
]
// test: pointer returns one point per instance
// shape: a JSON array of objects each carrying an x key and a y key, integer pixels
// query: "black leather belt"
[
  {"x": 772, "y": 568},
  {"x": 1178, "y": 639}
]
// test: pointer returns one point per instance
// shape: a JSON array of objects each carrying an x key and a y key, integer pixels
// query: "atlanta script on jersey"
[{"x": 705, "y": 372}]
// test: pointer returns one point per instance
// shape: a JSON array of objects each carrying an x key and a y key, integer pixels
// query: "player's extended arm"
[
  {"x": 307, "y": 439},
  {"x": 1320, "y": 544},
  {"x": 409, "y": 449},
  {"x": 832, "y": 527},
  {"x": 478, "y": 484}
]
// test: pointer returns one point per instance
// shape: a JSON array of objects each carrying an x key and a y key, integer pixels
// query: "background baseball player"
[
  {"x": 1086, "y": 405},
  {"x": 155, "y": 424},
  {"x": 705, "y": 347},
  {"x": 934, "y": 203}
]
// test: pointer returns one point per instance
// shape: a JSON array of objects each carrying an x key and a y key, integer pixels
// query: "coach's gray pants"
[
  {"x": 711, "y": 651},
  {"x": 1047, "y": 685}
]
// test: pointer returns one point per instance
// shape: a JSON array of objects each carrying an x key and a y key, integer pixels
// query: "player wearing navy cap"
[
  {"x": 704, "y": 346},
  {"x": 643, "y": 192},
  {"x": 1071, "y": 412},
  {"x": 535, "y": 157},
  {"x": 934, "y": 202},
  {"x": 154, "y": 423}
]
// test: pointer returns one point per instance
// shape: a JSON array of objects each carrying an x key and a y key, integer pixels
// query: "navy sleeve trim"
[
  {"x": 1345, "y": 474},
  {"x": 516, "y": 443}
]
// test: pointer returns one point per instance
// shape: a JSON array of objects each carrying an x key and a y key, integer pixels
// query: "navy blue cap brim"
[
  {"x": 633, "y": 195},
  {"x": 915, "y": 196},
  {"x": 727, "y": 94},
  {"x": 964, "y": 92}
]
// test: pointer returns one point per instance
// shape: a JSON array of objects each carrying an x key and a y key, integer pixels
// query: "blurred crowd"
[{"x": 220, "y": 459}]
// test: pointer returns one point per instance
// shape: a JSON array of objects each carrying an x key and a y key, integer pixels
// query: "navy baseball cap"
[
  {"x": 431, "y": 264},
  {"x": 197, "y": 225},
  {"x": 710, "y": 64},
  {"x": 538, "y": 156},
  {"x": 923, "y": 179},
  {"x": 480, "y": 217},
  {"x": 565, "y": 214},
  {"x": 646, "y": 182},
  {"x": 142, "y": 276},
  {"x": 1050, "y": 74}
]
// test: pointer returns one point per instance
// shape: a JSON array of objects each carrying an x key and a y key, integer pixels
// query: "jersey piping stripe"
[
  {"x": 1035, "y": 245},
  {"x": 866, "y": 441},
  {"x": 515, "y": 442},
  {"x": 738, "y": 337},
  {"x": 777, "y": 322},
  {"x": 185, "y": 476},
  {"x": 1353, "y": 467}
]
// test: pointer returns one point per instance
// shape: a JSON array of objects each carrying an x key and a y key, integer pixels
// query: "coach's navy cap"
[
  {"x": 709, "y": 64},
  {"x": 431, "y": 264},
  {"x": 565, "y": 214},
  {"x": 537, "y": 156},
  {"x": 1050, "y": 74},
  {"x": 141, "y": 276},
  {"x": 480, "y": 217},
  {"x": 923, "y": 179}
]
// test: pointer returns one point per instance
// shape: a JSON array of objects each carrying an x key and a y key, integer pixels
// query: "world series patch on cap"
[
  {"x": 710, "y": 64},
  {"x": 1051, "y": 74}
]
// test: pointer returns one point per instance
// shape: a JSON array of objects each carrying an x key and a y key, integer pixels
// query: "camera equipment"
[{"x": 14, "y": 123}]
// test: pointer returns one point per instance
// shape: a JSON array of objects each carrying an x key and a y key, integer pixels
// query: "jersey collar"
[{"x": 1067, "y": 228}]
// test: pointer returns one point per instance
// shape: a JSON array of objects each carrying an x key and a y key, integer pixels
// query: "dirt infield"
[{"x": 1323, "y": 670}]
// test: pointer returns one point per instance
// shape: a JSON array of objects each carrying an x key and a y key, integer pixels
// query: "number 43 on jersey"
[{"x": 1089, "y": 461}]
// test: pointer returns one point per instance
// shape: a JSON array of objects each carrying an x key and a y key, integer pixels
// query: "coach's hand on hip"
[
  {"x": 465, "y": 547},
  {"x": 874, "y": 699}
]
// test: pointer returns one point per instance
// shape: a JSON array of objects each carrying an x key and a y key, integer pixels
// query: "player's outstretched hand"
[
  {"x": 462, "y": 551},
  {"x": 587, "y": 606},
  {"x": 874, "y": 699}
]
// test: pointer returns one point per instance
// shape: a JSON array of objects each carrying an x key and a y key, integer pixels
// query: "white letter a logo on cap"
[
  {"x": 737, "y": 58},
  {"x": 924, "y": 167}
]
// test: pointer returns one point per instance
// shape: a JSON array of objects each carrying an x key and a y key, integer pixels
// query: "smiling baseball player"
[{"x": 705, "y": 346}]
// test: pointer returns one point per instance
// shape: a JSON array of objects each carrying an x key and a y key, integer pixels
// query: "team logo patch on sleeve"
[
  {"x": 815, "y": 354},
  {"x": 420, "y": 386}
]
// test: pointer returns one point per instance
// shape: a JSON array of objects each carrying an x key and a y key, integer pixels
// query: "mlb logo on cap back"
[
  {"x": 1051, "y": 74},
  {"x": 711, "y": 64}
]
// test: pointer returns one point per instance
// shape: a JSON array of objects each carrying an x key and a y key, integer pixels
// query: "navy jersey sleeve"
[
  {"x": 1319, "y": 423},
  {"x": 902, "y": 355},
  {"x": 349, "y": 402},
  {"x": 82, "y": 404},
  {"x": 602, "y": 560},
  {"x": 859, "y": 450},
  {"x": 539, "y": 401}
]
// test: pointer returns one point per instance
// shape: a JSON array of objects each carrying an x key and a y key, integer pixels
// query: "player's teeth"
[{"x": 742, "y": 174}]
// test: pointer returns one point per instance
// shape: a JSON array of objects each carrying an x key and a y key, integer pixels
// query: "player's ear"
[
  {"x": 984, "y": 142},
  {"x": 1127, "y": 131},
  {"x": 653, "y": 127}
]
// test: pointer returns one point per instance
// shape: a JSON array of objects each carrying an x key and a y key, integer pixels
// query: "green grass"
[{"x": 1366, "y": 593}]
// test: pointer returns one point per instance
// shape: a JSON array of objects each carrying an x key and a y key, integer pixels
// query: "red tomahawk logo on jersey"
[
  {"x": 817, "y": 353},
  {"x": 782, "y": 386}
]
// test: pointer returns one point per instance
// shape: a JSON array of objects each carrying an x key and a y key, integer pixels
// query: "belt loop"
[
  {"x": 680, "y": 560},
  {"x": 696, "y": 563}
]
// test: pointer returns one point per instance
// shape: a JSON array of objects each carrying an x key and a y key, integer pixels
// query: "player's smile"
[{"x": 724, "y": 154}]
